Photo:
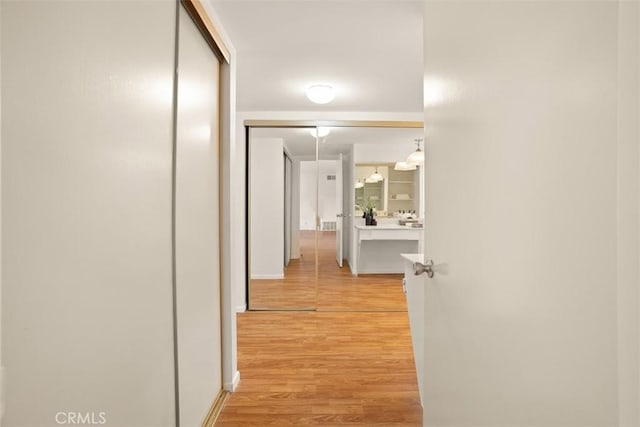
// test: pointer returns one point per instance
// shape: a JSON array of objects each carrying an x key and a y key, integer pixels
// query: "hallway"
[
  {"x": 349, "y": 362},
  {"x": 324, "y": 368},
  {"x": 337, "y": 289}
]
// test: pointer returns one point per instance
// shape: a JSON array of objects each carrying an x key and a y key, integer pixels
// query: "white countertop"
[
  {"x": 386, "y": 227},
  {"x": 413, "y": 257}
]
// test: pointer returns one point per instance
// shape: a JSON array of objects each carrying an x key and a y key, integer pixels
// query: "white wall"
[
  {"x": 295, "y": 209},
  {"x": 86, "y": 211},
  {"x": 327, "y": 208},
  {"x": 266, "y": 174},
  {"x": 383, "y": 153},
  {"x": 628, "y": 213},
  {"x": 307, "y": 195}
]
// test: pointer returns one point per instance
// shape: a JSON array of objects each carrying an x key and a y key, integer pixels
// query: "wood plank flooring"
[
  {"x": 348, "y": 363},
  {"x": 337, "y": 289},
  {"x": 324, "y": 369}
]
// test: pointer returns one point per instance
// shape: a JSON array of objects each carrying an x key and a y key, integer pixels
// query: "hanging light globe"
[
  {"x": 417, "y": 157},
  {"x": 376, "y": 176}
]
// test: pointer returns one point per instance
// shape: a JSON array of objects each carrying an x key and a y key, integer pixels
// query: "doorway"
[{"x": 302, "y": 214}]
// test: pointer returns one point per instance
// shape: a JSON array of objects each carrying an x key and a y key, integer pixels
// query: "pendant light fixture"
[
  {"x": 359, "y": 184},
  {"x": 376, "y": 176},
  {"x": 417, "y": 157}
]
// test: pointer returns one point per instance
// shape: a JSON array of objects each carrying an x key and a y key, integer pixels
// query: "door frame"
[
  {"x": 248, "y": 124},
  {"x": 209, "y": 30}
]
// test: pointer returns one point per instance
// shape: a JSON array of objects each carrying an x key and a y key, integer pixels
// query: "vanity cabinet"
[{"x": 377, "y": 248}]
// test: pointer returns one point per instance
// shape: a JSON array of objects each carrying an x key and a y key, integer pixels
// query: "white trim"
[
  {"x": 241, "y": 308},
  {"x": 330, "y": 115},
  {"x": 233, "y": 385},
  {"x": 267, "y": 276}
]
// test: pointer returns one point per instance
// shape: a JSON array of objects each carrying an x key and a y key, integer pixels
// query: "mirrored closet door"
[
  {"x": 282, "y": 218},
  {"x": 308, "y": 191}
]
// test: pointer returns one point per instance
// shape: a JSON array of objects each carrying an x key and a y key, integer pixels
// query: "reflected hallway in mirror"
[
  {"x": 281, "y": 196},
  {"x": 326, "y": 184}
]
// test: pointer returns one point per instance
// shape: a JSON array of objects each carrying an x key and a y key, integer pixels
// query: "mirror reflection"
[
  {"x": 387, "y": 190},
  {"x": 282, "y": 206},
  {"x": 324, "y": 218}
]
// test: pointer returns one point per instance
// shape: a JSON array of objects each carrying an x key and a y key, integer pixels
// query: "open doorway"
[{"x": 304, "y": 217}]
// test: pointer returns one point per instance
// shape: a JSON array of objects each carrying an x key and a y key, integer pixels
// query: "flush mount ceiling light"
[
  {"x": 417, "y": 157},
  {"x": 376, "y": 176},
  {"x": 359, "y": 184},
  {"x": 322, "y": 131},
  {"x": 404, "y": 166},
  {"x": 321, "y": 93}
]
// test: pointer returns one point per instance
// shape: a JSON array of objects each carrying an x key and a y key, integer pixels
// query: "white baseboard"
[
  {"x": 267, "y": 276},
  {"x": 231, "y": 387},
  {"x": 241, "y": 308}
]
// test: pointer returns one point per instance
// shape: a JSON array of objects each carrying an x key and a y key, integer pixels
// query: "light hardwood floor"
[
  {"x": 324, "y": 369},
  {"x": 348, "y": 363},
  {"x": 337, "y": 289}
]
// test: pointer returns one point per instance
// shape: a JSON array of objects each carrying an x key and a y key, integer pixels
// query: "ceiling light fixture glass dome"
[
  {"x": 322, "y": 131},
  {"x": 359, "y": 184},
  {"x": 321, "y": 93},
  {"x": 417, "y": 157},
  {"x": 376, "y": 176}
]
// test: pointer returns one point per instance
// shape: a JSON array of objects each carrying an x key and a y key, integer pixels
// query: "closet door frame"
[
  {"x": 256, "y": 124},
  {"x": 212, "y": 36}
]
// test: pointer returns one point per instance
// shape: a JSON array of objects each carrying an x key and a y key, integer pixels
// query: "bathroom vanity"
[{"x": 378, "y": 247}]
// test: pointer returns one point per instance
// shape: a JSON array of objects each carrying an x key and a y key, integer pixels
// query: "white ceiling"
[{"x": 370, "y": 51}]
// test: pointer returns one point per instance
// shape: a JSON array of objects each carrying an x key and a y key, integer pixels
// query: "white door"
[
  {"x": 340, "y": 208},
  {"x": 521, "y": 205},
  {"x": 197, "y": 232}
]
